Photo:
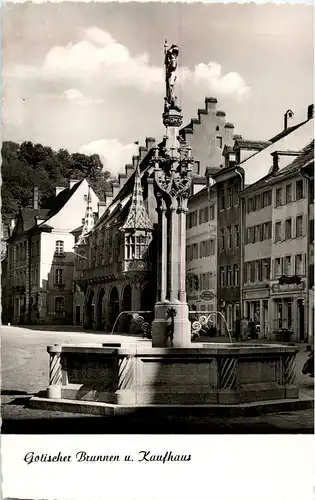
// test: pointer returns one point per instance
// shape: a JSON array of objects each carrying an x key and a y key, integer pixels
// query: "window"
[
  {"x": 269, "y": 229},
  {"x": 261, "y": 232},
  {"x": 258, "y": 202},
  {"x": 299, "y": 271},
  {"x": 59, "y": 305},
  {"x": 236, "y": 194},
  {"x": 236, "y": 275},
  {"x": 59, "y": 276},
  {"x": 287, "y": 265},
  {"x": 278, "y": 197},
  {"x": 37, "y": 247},
  {"x": 203, "y": 215},
  {"x": 59, "y": 247},
  {"x": 266, "y": 198},
  {"x": 266, "y": 269},
  {"x": 36, "y": 276},
  {"x": 253, "y": 234},
  {"x": 299, "y": 190},
  {"x": 222, "y": 281},
  {"x": 229, "y": 229},
  {"x": 299, "y": 226},
  {"x": 288, "y": 193},
  {"x": 237, "y": 235},
  {"x": 229, "y": 197},
  {"x": 252, "y": 272},
  {"x": 250, "y": 205},
  {"x": 222, "y": 239},
  {"x": 312, "y": 191},
  {"x": 219, "y": 142},
  {"x": 222, "y": 199},
  {"x": 259, "y": 270},
  {"x": 195, "y": 251},
  {"x": 277, "y": 271},
  {"x": 311, "y": 230},
  {"x": 257, "y": 233},
  {"x": 265, "y": 231},
  {"x": 205, "y": 248},
  {"x": 278, "y": 231},
  {"x": 288, "y": 229},
  {"x": 211, "y": 212},
  {"x": 229, "y": 276}
]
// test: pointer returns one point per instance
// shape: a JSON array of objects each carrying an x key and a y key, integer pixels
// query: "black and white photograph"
[{"x": 157, "y": 242}]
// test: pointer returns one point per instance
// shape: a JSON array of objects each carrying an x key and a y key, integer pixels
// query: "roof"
[
  {"x": 137, "y": 216},
  {"x": 61, "y": 199},
  {"x": 249, "y": 144},
  {"x": 286, "y": 132},
  {"x": 28, "y": 216},
  {"x": 306, "y": 155}
]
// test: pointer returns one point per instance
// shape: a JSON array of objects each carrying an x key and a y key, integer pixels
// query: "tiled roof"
[
  {"x": 137, "y": 217},
  {"x": 28, "y": 216},
  {"x": 306, "y": 155},
  {"x": 286, "y": 132},
  {"x": 248, "y": 144}
]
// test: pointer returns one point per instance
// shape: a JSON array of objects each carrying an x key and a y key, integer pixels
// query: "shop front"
[
  {"x": 256, "y": 308},
  {"x": 289, "y": 316}
]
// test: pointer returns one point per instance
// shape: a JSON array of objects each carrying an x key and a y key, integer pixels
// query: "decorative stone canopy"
[
  {"x": 137, "y": 217},
  {"x": 88, "y": 219}
]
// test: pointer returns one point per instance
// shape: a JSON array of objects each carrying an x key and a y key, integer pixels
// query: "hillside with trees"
[{"x": 27, "y": 165}]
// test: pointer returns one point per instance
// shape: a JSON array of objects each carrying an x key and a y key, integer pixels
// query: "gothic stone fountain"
[{"x": 171, "y": 371}]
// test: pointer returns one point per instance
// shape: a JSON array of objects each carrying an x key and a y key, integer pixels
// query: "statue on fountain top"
[{"x": 171, "y": 56}]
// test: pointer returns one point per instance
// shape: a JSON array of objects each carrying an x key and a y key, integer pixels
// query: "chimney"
[
  {"x": 59, "y": 189},
  {"x": 310, "y": 111},
  {"x": 149, "y": 143},
  {"x": 101, "y": 208},
  {"x": 287, "y": 114},
  {"x": 122, "y": 178},
  {"x": 115, "y": 189},
  {"x": 211, "y": 103},
  {"x": 135, "y": 161},
  {"x": 142, "y": 152},
  {"x": 72, "y": 182},
  {"x": 130, "y": 169},
  {"x": 35, "y": 198},
  {"x": 275, "y": 161}
]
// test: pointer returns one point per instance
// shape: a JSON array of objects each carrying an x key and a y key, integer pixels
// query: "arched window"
[
  {"x": 59, "y": 247},
  {"x": 59, "y": 305}
]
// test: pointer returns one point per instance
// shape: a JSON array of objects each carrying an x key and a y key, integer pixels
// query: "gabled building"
[
  {"x": 110, "y": 282},
  {"x": 41, "y": 258}
]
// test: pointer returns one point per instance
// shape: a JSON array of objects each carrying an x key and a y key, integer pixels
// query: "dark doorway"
[
  {"x": 100, "y": 319},
  {"x": 113, "y": 307},
  {"x": 301, "y": 312},
  {"x": 77, "y": 315}
]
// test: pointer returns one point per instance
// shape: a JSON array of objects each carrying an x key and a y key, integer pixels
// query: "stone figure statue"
[{"x": 171, "y": 56}]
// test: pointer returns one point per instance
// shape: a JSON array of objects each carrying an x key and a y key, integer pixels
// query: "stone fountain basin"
[{"x": 206, "y": 373}]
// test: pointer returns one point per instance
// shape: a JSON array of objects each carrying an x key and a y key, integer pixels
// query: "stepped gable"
[{"x": 137, "y": 217}]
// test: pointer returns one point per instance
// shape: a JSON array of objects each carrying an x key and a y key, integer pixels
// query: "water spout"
[{"x": 127, "y": 312}]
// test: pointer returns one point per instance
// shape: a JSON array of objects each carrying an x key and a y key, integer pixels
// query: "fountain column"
[{"x": 172, "y": 183}]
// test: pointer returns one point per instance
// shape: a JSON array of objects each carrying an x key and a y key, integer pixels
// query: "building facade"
[
  {"x": 201, "y": 256},
  {"x": 276, "y": 248},
  {"x": 41, "y": 258}
]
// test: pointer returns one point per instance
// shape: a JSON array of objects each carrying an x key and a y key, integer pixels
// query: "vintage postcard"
[{"x": 157, "y": 250}]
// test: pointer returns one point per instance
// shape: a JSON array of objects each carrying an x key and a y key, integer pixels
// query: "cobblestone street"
[{"x": 25, "y": 372}]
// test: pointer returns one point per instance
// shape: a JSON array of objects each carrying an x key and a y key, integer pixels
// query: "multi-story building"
[
  {"x": 201, "y": 236},
  {"x": 40, "y": 257},
  {"x": 245, "y": 163},
  {"x": 275, "y": 282}
]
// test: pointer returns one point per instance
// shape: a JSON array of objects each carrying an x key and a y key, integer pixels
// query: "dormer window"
[{"x": 59, "y": 247}]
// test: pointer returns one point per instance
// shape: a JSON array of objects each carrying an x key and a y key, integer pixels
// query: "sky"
[{"x": 89, "y": 77}]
